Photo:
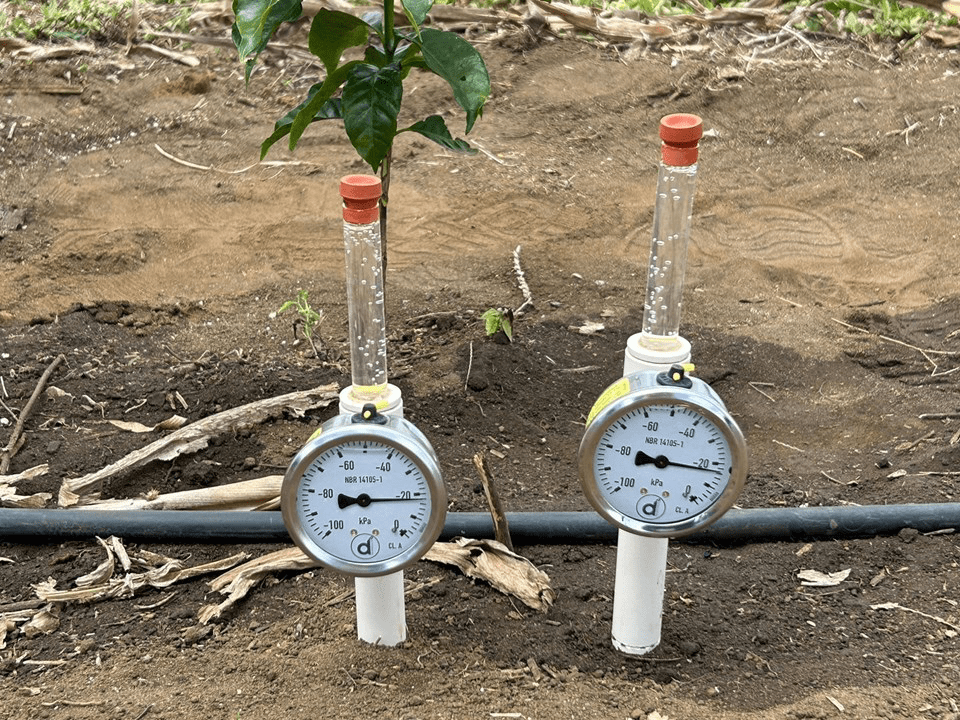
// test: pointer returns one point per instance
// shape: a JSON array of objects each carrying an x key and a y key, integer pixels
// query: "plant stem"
[
  {"x": 384, "y": 198},
  {"x": 389, "y": 36},
  {"x": 389, "y": 47}
]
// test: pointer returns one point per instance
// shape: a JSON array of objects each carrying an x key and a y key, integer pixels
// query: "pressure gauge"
[
  {"x": 661, "y": 455},
  {"x": 364, "y": 496}
]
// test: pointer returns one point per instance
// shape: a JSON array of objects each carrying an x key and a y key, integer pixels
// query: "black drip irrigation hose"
[{"x": 526, "y": 528}]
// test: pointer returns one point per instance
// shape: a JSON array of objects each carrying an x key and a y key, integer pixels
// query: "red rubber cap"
[
  {"x": 361, "y": 198},
  {"x": 680, "y": 134}
]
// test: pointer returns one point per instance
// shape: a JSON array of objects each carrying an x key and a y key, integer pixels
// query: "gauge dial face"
[
  {"x": 663, "y": 463},
  {"x": 363, "y": 506}
]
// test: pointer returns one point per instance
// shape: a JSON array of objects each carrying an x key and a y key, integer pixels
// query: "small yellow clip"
[{"x": 678, "y": 372}]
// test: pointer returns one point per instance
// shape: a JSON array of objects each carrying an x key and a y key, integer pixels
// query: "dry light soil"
[{"x": 821, "y": 299}]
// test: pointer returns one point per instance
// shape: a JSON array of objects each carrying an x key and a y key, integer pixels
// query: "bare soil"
[{"x": 827, "y": 198}]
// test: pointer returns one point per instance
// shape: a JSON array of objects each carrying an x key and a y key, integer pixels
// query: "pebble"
[
  {"x": 908, "y": 535},
  {"x": 689, "y": 648}
]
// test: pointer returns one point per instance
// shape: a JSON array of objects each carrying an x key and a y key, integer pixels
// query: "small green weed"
[
  {"x": 308, "y": 319},
  {"x": 78, "y": 19},
  {"x": 877, "y": 18},
  {"x": 61, "y": 18},
  {"x": 880, "y": 18},
  {"x": 497, "y": 319},
  {"x": 179, "y": 21}
]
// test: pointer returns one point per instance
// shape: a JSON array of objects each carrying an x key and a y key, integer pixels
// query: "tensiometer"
[
  {"x": 661, "y": 456},
  {"x": 364, "y": 496}
]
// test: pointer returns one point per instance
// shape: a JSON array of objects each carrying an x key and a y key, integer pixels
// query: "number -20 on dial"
[{"x": 661, "y": 455}]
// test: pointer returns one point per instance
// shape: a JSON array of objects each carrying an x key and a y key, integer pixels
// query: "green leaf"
[
  {"x": 416, "y": 11},
  {"x": 332, "y": 32},
  {"x": 256, "y": 21},
  {"x": 499, "y": 319},
  {"x": 375, "y": 56},
  {"x": 371, "y": 103},
  {"x": 458, "y": 62},
  {"x": 434, "y": 128},
  {"x": 374, "y": 19},
  {"x": 491, "y": 321},
  {"x": 330, "y": 110},
  {"x": 507, "y": 327},
  {"x": 308, "y": 112}
]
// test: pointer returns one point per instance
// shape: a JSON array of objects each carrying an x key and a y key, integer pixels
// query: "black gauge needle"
[
  {"x": 363, "y": 500},
  {"x": 662, "y": 461}
]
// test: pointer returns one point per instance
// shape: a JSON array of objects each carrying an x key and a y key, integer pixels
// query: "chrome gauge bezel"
[
  {"x": 394, "y": 435},
  {"x": 621, "y": 402}
]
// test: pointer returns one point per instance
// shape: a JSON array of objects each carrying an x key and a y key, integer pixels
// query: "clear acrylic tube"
[
  {"x": 672, "y": 215},
  {"x": 668, "y": 255},
  {"x": 365, "y": 310}
]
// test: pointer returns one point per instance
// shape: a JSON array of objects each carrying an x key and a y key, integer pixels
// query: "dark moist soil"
[{"x": 821, "y": 300}]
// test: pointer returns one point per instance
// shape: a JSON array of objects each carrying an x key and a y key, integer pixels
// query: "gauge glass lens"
[
  {"x": 662, "y": 463},
  {"x": 363, "y": 501}
]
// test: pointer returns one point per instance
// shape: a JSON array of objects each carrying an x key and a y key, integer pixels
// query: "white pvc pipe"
[
  {"x": 390, "y": 401},
  {"x": 381, "y": 615},
  {"x": 638, "y": 592},
  {"x": 639, "y": 356}
]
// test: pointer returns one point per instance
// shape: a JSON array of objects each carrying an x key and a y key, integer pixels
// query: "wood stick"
[
  {"x": 522, "y": 283},
  {"x": 501, "y": 527},
  {"x": 13, "y": 444},
  {"x": 51, "y": 89},
  {"x": 753, "y": 386},
  {"x": 244, "y": 495},
  {"x": 466, "y": 381},
  {"x": 924, "y": 351},
  {"x": 196, "y": 436},
  {"x": 185, "y": 163},
  {"x": 831, "y": 479},
  {"x": 21, "y": 606},
  {"x": 506, "y": 571}
]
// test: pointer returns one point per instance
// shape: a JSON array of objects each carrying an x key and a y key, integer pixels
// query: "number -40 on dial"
[
  {"x": 365, "y": 496},
  {"x": 661, "y": 455}
]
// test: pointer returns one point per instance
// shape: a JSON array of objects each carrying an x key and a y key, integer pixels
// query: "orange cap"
[
  {"x": 361, "y": 198},
  {"x": 680, "y": 134}
]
